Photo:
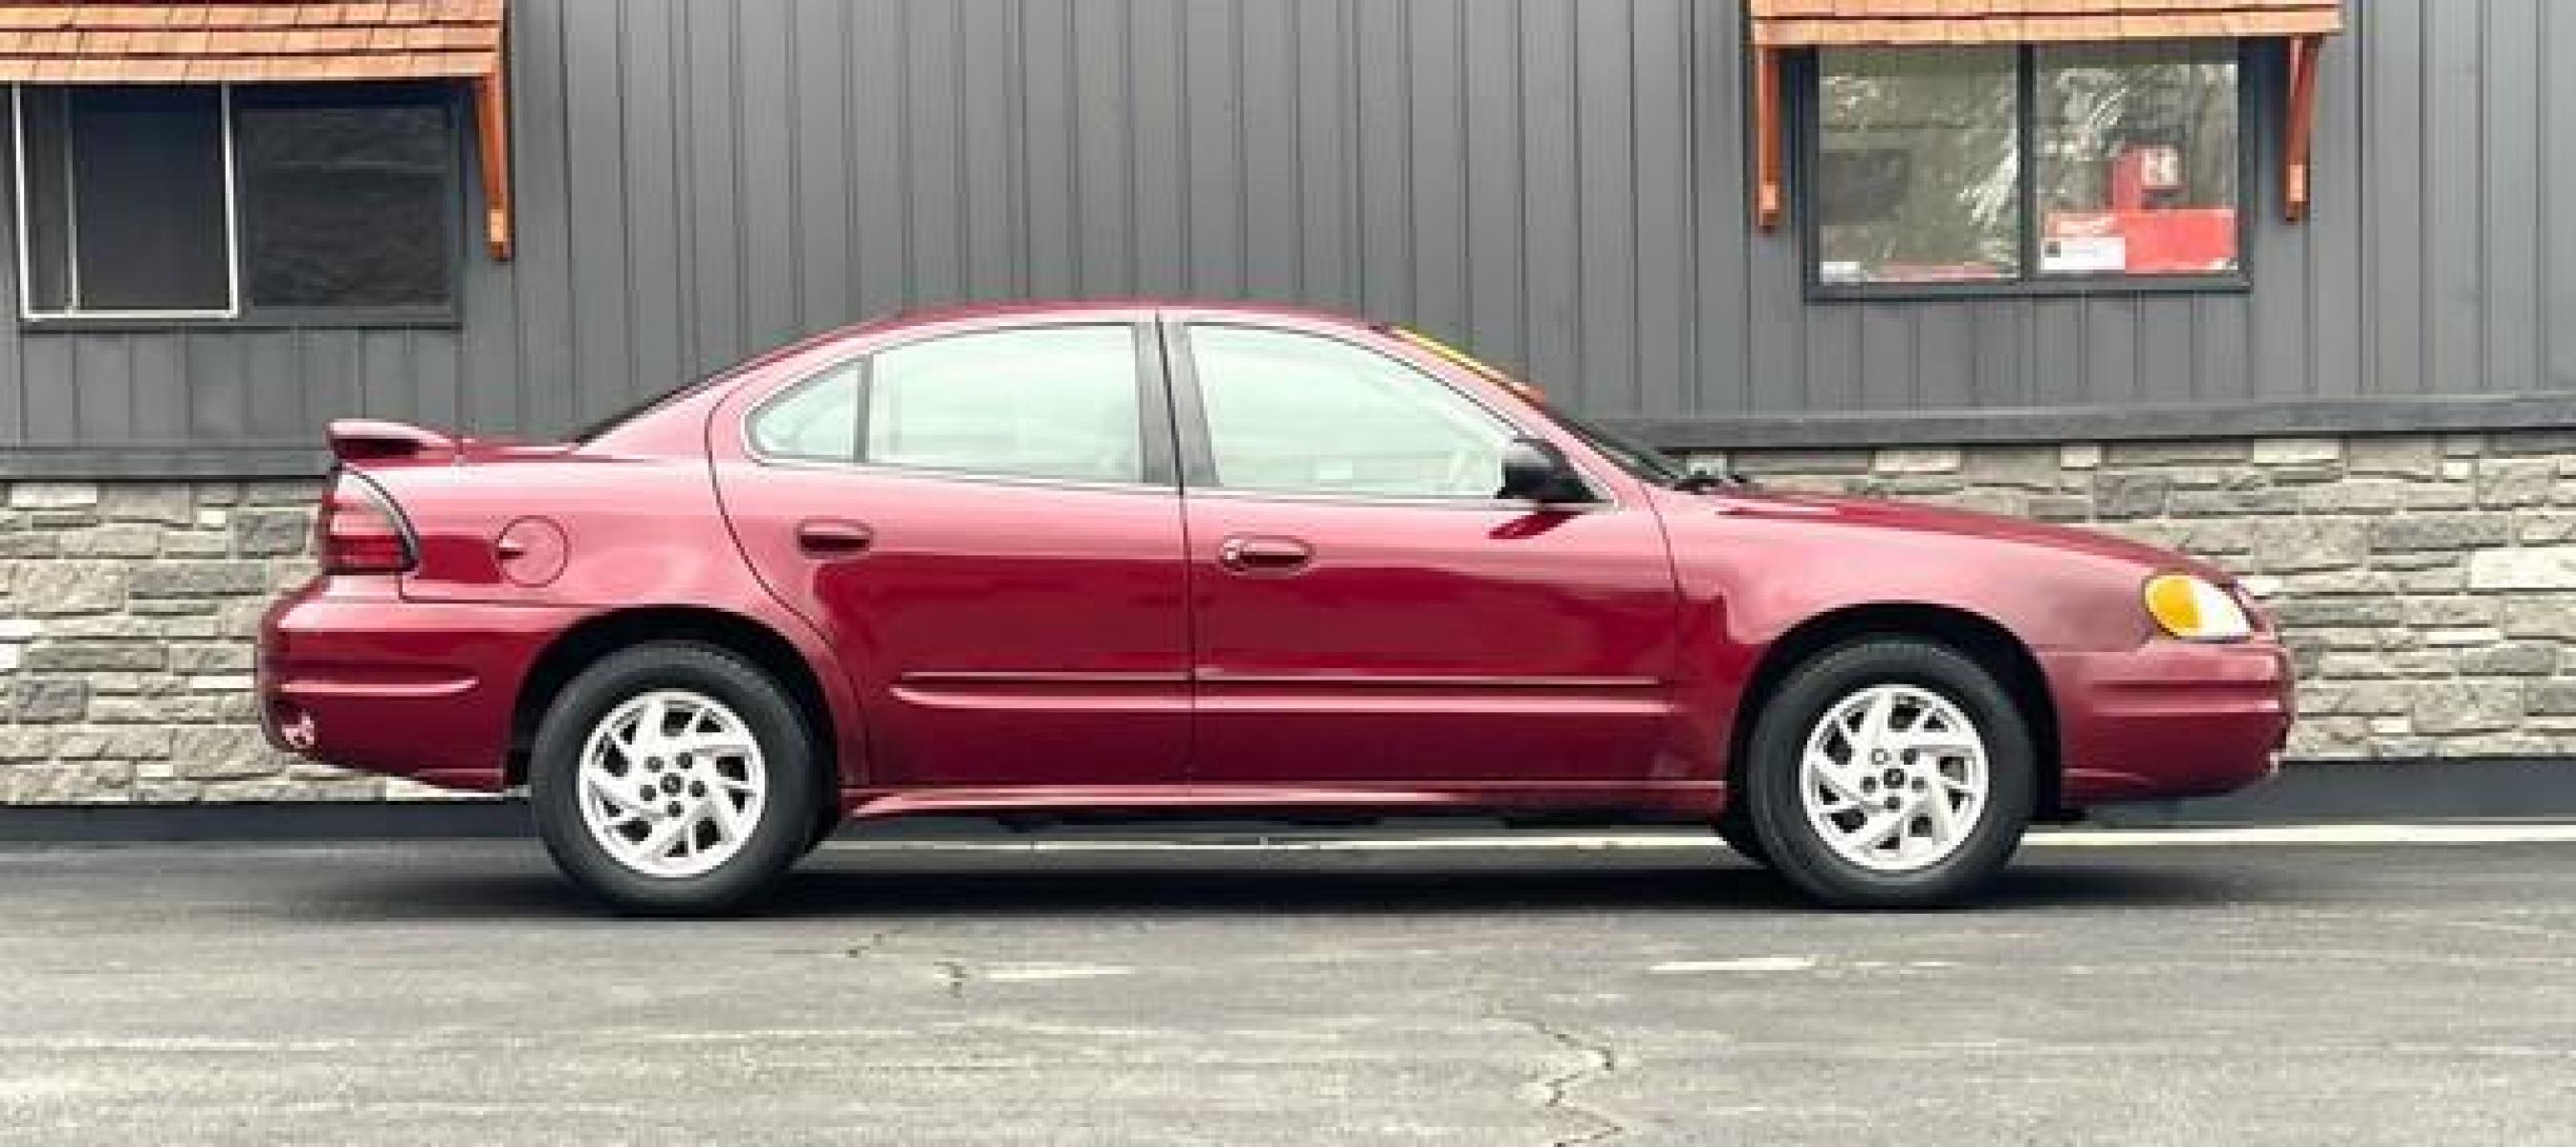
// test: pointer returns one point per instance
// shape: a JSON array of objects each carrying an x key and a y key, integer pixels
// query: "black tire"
[
  {"x": 824, "y": 827},
  {"x": 1777, "y": 812},
  {"x": 1737, "y": 832},
  {"x": 793, "y": 786}
]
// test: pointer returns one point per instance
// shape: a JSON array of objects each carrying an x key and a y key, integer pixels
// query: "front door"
[
  {"x": 1367, "y": 613},
  {"x": 984, "y": 524}
]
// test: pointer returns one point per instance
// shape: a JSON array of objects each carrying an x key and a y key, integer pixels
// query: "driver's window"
[{"x": 1302, "y": 414}]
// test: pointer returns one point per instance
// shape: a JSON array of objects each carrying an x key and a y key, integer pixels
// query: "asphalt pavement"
[{"x": 456, "y": 992}]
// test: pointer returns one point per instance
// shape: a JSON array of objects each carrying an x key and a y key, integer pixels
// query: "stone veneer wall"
[
  {"x": 127, "y": 611},
  {"x": 2428, "y": 584}
]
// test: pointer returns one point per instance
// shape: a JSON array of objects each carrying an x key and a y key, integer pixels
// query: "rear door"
[
  {"x": 1369, "y": 613},
  {"x": 984, "y": 523}
]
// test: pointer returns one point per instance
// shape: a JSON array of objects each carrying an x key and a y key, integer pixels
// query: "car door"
[
  {"x": 984, "y": 524},
  {"x": 1367, "y": 613}
]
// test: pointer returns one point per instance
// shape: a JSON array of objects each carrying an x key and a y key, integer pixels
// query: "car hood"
[{"x": 1916, "y": 518}]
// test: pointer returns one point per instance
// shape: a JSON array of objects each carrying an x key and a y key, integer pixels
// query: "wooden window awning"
[
  {"x": 264, "y": 42},
  {"x": 1783, "y": 25},
  {"x": 1813, "y": 23}
]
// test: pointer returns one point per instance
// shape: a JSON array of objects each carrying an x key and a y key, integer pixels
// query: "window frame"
[
  {"x": 1806, "y": 79},
  {"x": 1159, "y": 471},
  {"x": 240, "y": 313}
]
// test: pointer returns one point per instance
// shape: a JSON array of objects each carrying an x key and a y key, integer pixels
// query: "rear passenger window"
[
  {"x": 1047, "y": 402},
  {"x": 818, "y": 421}
]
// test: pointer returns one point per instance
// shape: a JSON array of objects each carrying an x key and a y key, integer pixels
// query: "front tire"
[
  {"x": 674, "y": 779},
  {"x": 1890, "y": 773}
]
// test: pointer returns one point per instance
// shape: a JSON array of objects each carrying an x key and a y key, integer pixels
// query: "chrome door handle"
[{"x": 1244, "y": 554}]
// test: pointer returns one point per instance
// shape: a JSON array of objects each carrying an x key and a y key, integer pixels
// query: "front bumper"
[
  {"x": 352, "y": 675},
  {"x": 2170, "y": 719}
]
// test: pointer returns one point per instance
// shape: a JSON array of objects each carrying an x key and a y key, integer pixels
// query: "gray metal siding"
[{"x": 1559, "y": 184}]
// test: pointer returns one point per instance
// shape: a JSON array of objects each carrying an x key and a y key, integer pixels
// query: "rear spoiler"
[{"x": 376, "y": 440}]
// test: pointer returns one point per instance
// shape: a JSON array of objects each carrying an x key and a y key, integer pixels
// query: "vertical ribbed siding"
[{"x": 1556, "y": 183}]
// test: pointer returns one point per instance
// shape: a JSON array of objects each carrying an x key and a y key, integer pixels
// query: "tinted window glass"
[
  {"x": 324, "y": 197},
  {"x": 126, "y": 204},
  {"x": 1054, "y": 402},
  {"x": 1302, "y": 414},
  {"x": 818, "y": 420},
  {"x": 345, "y": 206}
]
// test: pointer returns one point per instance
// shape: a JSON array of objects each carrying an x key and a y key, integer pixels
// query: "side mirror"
[{"x": 1535, "y": 470}]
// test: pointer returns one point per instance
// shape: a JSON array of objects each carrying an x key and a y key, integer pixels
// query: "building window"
[
  {"x": 2049, "y": 166},
  {"x": 212, "y": 203}
]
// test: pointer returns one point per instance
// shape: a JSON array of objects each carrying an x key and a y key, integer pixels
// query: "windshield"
[{"x": 1638, "y": 459}]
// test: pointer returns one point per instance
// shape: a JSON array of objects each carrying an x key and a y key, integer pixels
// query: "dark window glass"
[
  {"x": 323, "y": 198},
  {"x": 345, "y": 206},
  {"x": 45, "y": 138},
  {"x": 126, "y": 206}
]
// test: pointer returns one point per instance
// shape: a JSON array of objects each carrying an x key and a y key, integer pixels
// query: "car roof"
[
  {"x": 969, "y": 315},
  {"x": 1037, "y": 309}
]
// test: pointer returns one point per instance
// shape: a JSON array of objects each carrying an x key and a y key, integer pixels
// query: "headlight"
[{"x": 2194, "y": 610}]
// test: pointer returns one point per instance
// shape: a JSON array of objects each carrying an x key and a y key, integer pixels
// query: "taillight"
[{"x": 359, "y": 530}]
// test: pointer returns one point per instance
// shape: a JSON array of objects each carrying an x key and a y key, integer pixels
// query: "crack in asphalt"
[
  {"x": 869, "y": 946},
  {"x": 1557, "y": 1091},
  {"x": 953, "y": 974}
]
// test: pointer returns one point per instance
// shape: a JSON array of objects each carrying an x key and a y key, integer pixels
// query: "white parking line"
[
  {"x": 1744, "y": 964},
  {"x": 2352, "y": 834},
  {"x": 1035, "y": 973},
  {"x": 2318, "y": 834}
]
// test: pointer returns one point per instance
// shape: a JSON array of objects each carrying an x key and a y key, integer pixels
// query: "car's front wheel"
[
  {"x": 673, "y": 779},
  {"x": 1889, "y": 773}
]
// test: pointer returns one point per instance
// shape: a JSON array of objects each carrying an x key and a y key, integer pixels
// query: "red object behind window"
[{"x": 2173, "y": 241}]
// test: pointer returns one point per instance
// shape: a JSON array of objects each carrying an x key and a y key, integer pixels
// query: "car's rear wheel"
[
  {"x": 674, "y": 779},
  {"x": 1737, "y": 832},
  {"x": 1890, "y": 773}
]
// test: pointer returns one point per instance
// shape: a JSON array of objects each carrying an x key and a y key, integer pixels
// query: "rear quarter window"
[{"x": 816, "y": 421}]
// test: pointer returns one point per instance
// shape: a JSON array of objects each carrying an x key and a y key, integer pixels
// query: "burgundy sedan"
[{"x": 1131, "y": 560}]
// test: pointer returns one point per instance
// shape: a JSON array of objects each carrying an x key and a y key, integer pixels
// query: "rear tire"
[
  {"x": 1890, "y": 773},
  {"x": 1737, "y": 832},
  {"x": 674, "y": 779}
]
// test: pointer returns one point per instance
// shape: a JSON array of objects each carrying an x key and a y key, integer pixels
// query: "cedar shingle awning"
[
  {"x": 260, "y": 41},
  {"x": 1782, "y": 25},
  {"x": 1811, "y": 23}
]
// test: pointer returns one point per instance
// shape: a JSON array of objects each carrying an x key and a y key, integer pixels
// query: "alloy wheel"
[
  {"x": 1894, "y": 778},
  {"x": 672, "y": 783}
]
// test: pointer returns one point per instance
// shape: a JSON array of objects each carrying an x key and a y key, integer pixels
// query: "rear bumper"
[
  {"x": 352, "y": 675},
  {"x": 2170, "y": 719}
]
